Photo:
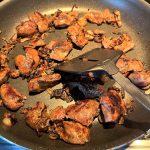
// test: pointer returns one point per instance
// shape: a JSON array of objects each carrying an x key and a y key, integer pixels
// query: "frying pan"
[{"x": 135, "y": 16}]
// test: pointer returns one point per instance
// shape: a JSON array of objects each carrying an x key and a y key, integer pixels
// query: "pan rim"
[
  {"x": 41, "y": 147},
  {"x": 116, "y": 147}
]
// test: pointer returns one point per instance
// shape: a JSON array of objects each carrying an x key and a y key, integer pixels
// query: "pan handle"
[{"x": 126, "y": 84}]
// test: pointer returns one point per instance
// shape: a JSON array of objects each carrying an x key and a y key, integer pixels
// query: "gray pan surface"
[{"x": 136, "y": 22}]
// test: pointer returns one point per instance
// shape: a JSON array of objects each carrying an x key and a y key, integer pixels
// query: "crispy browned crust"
[
  {"x": 43, "y": 82},
  {"x": 11, "y": 98},
  {"x": 83, "y": 111},
  {"x": 73, "y": 132}
]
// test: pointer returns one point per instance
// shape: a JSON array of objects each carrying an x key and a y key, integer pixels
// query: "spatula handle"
[
  {"x": 132, "y": 90},
  {"x": 126, "y": 84}
]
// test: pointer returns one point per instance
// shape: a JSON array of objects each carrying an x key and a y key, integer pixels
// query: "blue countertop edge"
[
  {"x": 8, "y": 145},
  {"x": 5, "y": 144}
]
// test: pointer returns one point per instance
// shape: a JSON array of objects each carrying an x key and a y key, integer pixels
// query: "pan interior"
[{"x": 134, "y": 16}]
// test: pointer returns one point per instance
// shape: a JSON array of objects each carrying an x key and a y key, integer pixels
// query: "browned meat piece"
[
  {"x": 109, "y": 112},
  {"x": 13, "y": 39},
  {"x": 126, "y": 43},
  {"x": 44, "y": 53},
  {"x": 89, "y": 35},
  {"x": 73, "y": 132},
  {"x": 74, "y": 15},
  {"x": 140, "y": 79},
  {"x": 112, "y": 18},
  {"x": 98, "y": 35},
  {"x": 4, "y": 75},
  {"x": 5, "y": 50},
  {"x": 63, "y": 94},
  {"x": 22, "y": 40},
  {"x": 77, "y": 35},
  {"x": 109, "y": 42},
  {"x": 3, "y": 60},
  {"x": 34, "y": 55},
  {"x": 128, "y": 100},
  {"x": 119, "y": 90},
  {"x": 112, "y": 107},
  {"x": 123, "y": 42},
  {"x": 12, "y": 99},
  {"x": 24, "y": 64},
  {"x": 14, "y": 73},
  {"x": 63, "y": 19},
  {"x": 83, "y": 111},
  {"x": 104, "y": 16},
  {"x": 94, "y": 17},
  {"x": 100, "y": 77},
  {"x": 57, "y": 114},
  {"x": 1, "y": 102},
  {"x": 26, "y": 29},
  {"x": 28, "y": 63},
  {"x": 126, "y": 64},
  {"x": 41, "y": 21},
  {"x": 37, "y": 43},
  {"x": 36, "y": 117},
  {"x": 98, "y": 31},
  {"x": 114, "y": 95},
  {"x": 8, "y": 119},
  {"x": 59, "y": 49},
  {"x": 43, "y": 82},
  {"x": 52, "y": 133},
  {"x": 82, "y": 21}
]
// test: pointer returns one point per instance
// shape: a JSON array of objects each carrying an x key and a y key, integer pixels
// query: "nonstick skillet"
[{"x": 135, "y": 17}]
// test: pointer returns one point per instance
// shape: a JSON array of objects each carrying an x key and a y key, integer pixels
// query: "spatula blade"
[{"x": 91, "y": 59}]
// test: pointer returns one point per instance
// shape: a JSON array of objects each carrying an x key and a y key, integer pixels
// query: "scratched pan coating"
[{"x": 135, "y": 16}]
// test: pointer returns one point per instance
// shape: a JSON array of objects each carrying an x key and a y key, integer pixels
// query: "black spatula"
[{"x": 104, "y": 59}]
